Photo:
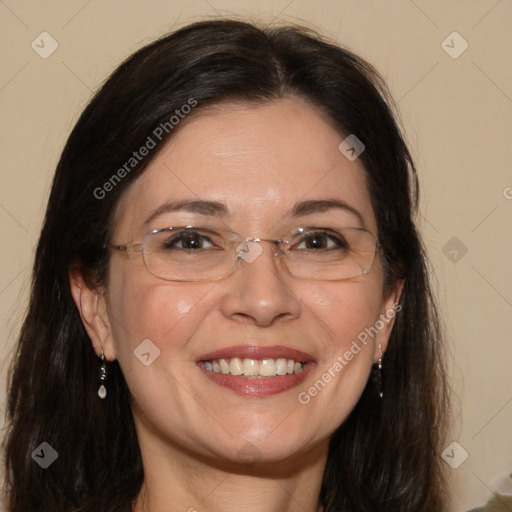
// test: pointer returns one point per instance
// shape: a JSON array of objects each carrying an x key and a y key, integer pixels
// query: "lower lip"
[{"x": 268, "y": 386}]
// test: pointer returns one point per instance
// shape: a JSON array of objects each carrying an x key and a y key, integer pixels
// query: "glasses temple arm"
[{"x": 126, "y": 247}]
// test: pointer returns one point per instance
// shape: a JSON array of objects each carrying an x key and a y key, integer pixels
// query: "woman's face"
[{"x": 255, "y": 166}]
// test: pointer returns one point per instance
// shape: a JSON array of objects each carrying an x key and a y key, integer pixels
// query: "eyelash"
[
  {"x": 335, "y": 237},
  {"x": 179, "y": 237},
  {"x": 326, "y": 233}
]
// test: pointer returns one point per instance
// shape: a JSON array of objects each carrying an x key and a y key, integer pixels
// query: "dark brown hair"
[{"x": 384, "y": 457}]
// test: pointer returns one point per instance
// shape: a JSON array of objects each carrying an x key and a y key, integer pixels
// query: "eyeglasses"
[{"x": 191, "y": 253}]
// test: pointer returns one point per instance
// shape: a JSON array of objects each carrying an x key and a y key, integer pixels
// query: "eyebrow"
[
  {"x": 217, "y": 209},
  {"x": 304, "y": 208},
  {"x": 211, "y": 208}
]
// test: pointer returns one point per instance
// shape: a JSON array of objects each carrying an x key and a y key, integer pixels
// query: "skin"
[{"x": 258, "y": 161}]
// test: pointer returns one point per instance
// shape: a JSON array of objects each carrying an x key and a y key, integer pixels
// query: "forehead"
[{"x": 258, "y": 160}]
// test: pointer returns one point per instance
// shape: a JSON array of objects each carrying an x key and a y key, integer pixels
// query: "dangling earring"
[
  {"x": 102, "y": 391},
  {"x": 379, "y": 375}
]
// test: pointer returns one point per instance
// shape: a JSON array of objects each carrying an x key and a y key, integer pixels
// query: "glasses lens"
[
  {"x": 195, "y": 254},
  {"x": 187, "y": 254},
  {"x": 331, "y": 254}
]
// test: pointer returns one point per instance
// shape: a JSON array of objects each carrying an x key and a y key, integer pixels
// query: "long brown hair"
[{"x": 384, "y": 457}]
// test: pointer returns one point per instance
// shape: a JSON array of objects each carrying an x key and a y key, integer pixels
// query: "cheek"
[
  {"x": 165, "y": 313},
  {"x": 343, "y": 311}
]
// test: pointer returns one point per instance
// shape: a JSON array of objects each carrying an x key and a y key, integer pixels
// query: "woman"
[{"x": 230, "y": 306}]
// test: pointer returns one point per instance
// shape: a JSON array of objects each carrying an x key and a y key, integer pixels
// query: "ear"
[
  {"x": 390, "y": 308},
  {"x": 92, "y": 306}
]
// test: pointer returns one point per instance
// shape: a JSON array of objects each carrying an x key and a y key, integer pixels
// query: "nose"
[{"x": 259, "y": 290}]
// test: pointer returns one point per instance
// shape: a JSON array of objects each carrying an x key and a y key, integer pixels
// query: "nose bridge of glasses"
[
  {"x": 251, "y": 248},
  {"x": 224, "y": 250}
]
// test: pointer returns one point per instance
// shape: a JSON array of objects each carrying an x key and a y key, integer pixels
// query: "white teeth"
[
  {"x": 253, "y": 367},
  {"x": 236, "y": 368},
  {"x": 268, "y": 368},
  {"x": 282, "y": 366},
  {"x": 224, "y": 366}
]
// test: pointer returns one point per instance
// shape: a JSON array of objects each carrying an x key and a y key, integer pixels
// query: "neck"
[{"x": 178, "y": 481}]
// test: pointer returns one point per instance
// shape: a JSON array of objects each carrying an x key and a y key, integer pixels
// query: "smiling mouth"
[
  {"x": 253, "y": 368},
  {"x": 257, "y": 371}
]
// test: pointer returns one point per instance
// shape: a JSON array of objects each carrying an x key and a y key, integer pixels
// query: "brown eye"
[
  {"x": 316, "y": 242},
  {"x": 321, "y": 241},
  {"x": 189, "y": 241}
]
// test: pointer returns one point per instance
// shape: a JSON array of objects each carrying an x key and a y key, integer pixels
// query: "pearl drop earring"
[{"x": 102, "y": 391}]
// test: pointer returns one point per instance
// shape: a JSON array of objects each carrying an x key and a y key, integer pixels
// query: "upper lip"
[{"x": 257, "y": 352}]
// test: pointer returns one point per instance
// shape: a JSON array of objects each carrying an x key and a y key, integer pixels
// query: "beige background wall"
[{"x": 457, "y": 113}]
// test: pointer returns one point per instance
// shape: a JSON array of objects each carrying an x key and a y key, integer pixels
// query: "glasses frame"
[{"x": 138, "y": 247}]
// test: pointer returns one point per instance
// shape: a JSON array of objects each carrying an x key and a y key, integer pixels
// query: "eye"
[
  {"x": 189, "y": 241},
  {"x": 320, "y": 240}
]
